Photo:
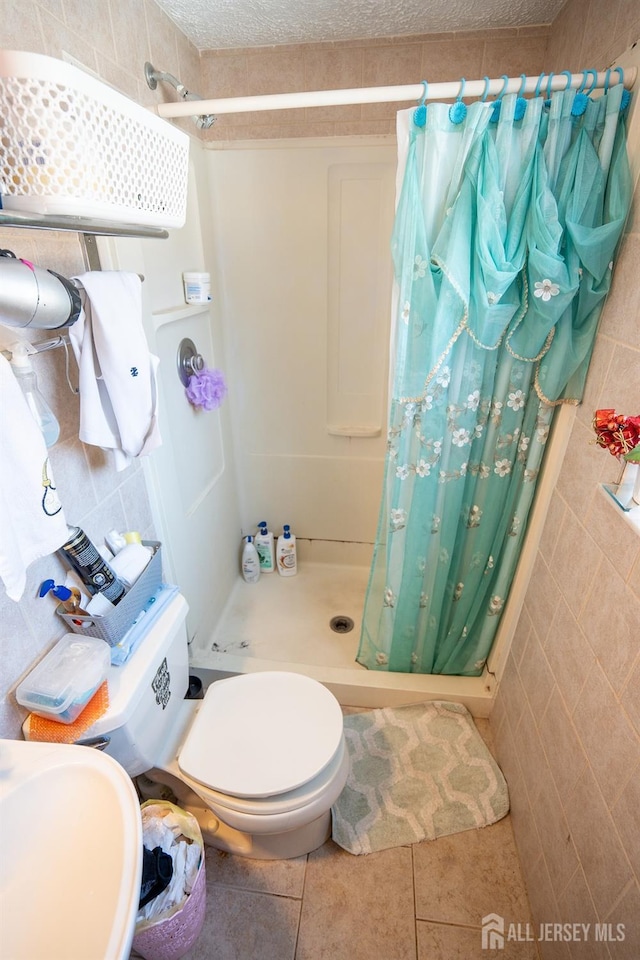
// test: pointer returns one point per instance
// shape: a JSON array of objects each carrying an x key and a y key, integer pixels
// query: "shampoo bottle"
[
  {"x": 264, "y": 546},
  {"x": 250, "y": 561},
  {"x": 286, "y": 553}
]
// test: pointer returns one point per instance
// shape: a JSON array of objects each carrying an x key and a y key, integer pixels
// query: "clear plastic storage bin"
[{"x": 62, "y": 684}]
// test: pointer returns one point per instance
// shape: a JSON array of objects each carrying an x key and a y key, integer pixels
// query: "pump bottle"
[
  {"x": 69, "y": 597},
  {"x": 286, "y": 553},
  {"x": 264, "y": 546},
  {"x": 250, "y": 561}
]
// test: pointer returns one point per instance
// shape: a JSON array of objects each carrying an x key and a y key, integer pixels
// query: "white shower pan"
[{"x": 284, "y": 624}]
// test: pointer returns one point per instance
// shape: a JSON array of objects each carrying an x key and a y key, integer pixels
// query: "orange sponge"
[{"x": 53, "y": 732}]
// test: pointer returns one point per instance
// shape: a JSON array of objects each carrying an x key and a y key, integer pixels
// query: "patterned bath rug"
[{"x": 417, "y": 772}]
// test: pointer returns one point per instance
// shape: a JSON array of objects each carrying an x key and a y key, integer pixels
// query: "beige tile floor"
[{"x": 418, "y": 902}]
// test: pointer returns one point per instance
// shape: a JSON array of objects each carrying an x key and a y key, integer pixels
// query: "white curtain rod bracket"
[{"x": 410, "y": 92}]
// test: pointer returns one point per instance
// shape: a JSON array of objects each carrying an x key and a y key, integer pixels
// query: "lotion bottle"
[
  {"x": 264, "y": 546},
  {"x": 286, "y": 553},
  {"x": 250, "y": 561}
]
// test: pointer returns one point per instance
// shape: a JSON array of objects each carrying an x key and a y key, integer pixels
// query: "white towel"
[
  {"x": 118, "y": 385},
  {"x": 32, "y": 523}
]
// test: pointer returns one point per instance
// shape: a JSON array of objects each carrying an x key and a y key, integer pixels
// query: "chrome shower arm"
[{"x": 152, "y": 76}]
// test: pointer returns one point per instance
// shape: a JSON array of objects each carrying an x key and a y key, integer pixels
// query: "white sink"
[{"x": 70, "y": 853}]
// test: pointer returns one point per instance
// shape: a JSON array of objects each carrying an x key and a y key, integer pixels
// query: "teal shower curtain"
[{"x": 506, "y": 228}]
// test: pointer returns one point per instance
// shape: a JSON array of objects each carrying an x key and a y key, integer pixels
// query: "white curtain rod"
[{"x": 413, "y": 91}]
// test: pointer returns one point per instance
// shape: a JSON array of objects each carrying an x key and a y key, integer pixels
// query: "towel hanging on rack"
[{"x": 118, "y": 379}]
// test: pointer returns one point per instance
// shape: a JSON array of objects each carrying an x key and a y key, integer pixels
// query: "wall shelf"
[{"x": 85, "y": 225}]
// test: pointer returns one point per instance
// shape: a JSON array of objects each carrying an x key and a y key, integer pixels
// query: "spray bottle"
[{"x": 25, "y": 375}]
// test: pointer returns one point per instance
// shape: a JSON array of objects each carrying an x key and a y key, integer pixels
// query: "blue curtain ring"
[
  {"x": 563, "y": 73},
  {"x": 547, "y": 101},
  {"x": 594, "y": 79},
  {"x": 626, "y": 94},
  {"x": 521, "y": 104},
  {"x": 487, "y": 82},
  {"x": 458, "y": 110},
  {"x": 420, "y": 112},
  {"x": 620, "y": 73},
  {"x": 495, "y": 116},
  {"x": 539, "y": 84},
  {"x": 581, "y": 100},
  {"x": 607, "y": 78}
]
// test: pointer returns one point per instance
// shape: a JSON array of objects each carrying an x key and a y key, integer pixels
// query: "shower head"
[{"x": 151, "y": 75}]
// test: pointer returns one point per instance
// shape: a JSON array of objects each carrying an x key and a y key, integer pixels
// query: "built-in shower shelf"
[
  {"x": 353, "y": 431},
  {"x": 182, "y": 312}
]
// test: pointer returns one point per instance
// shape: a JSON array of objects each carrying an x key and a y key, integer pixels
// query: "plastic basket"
[
  {"x": 172, "y": 937},
  {"x": 70, "y": 145},
  {"x": 113, "y": 627}
]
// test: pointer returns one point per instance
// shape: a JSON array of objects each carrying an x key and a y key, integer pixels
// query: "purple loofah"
[{"x": 206, "y": 389}]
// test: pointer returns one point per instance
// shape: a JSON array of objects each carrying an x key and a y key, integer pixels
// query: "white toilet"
[{"x": 259, "y": 761}]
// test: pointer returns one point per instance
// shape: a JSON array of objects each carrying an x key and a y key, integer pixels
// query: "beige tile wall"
[
  {"x": 370, "y": 63},
  {"x": 112, "y": 38},
  {"x": 567, "y": 718}
]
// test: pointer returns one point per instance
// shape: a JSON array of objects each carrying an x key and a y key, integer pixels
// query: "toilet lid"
[{"x": 261, "y": 734}]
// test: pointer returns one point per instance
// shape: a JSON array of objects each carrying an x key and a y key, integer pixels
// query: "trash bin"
[{"x": 170, "y": 933}]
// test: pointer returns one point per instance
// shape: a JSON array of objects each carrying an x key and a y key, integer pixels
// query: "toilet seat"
[
  {"x": 263, "y": 735},
  {"x": 309, "y": 793}
]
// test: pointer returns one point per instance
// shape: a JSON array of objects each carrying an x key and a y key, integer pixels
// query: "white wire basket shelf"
[{"x": 72, "y": 146}]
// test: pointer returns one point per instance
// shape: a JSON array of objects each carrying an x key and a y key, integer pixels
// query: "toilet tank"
[{"x": 146, "y": 692}]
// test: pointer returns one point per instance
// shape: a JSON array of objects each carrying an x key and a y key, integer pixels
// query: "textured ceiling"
[{"x": 215, "y": 24}]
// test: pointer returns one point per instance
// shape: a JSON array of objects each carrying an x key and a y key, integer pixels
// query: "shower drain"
[{"x": 341, "y": 624}]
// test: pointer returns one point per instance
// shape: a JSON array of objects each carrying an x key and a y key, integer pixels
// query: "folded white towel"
[
  {"x": 118, "y": 383},
  {"x": 32, "y": 523}
]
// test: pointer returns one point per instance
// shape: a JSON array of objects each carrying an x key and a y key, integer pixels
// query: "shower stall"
[{"x": 296, "y": 236}]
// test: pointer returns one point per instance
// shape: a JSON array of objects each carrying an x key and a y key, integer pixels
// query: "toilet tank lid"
[
  {"x": 128, "y": 683},
  {"x": 262, "y": 734}
]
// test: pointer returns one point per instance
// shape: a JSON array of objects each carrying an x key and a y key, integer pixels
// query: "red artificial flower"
[{"x": 619, "y": 435}]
